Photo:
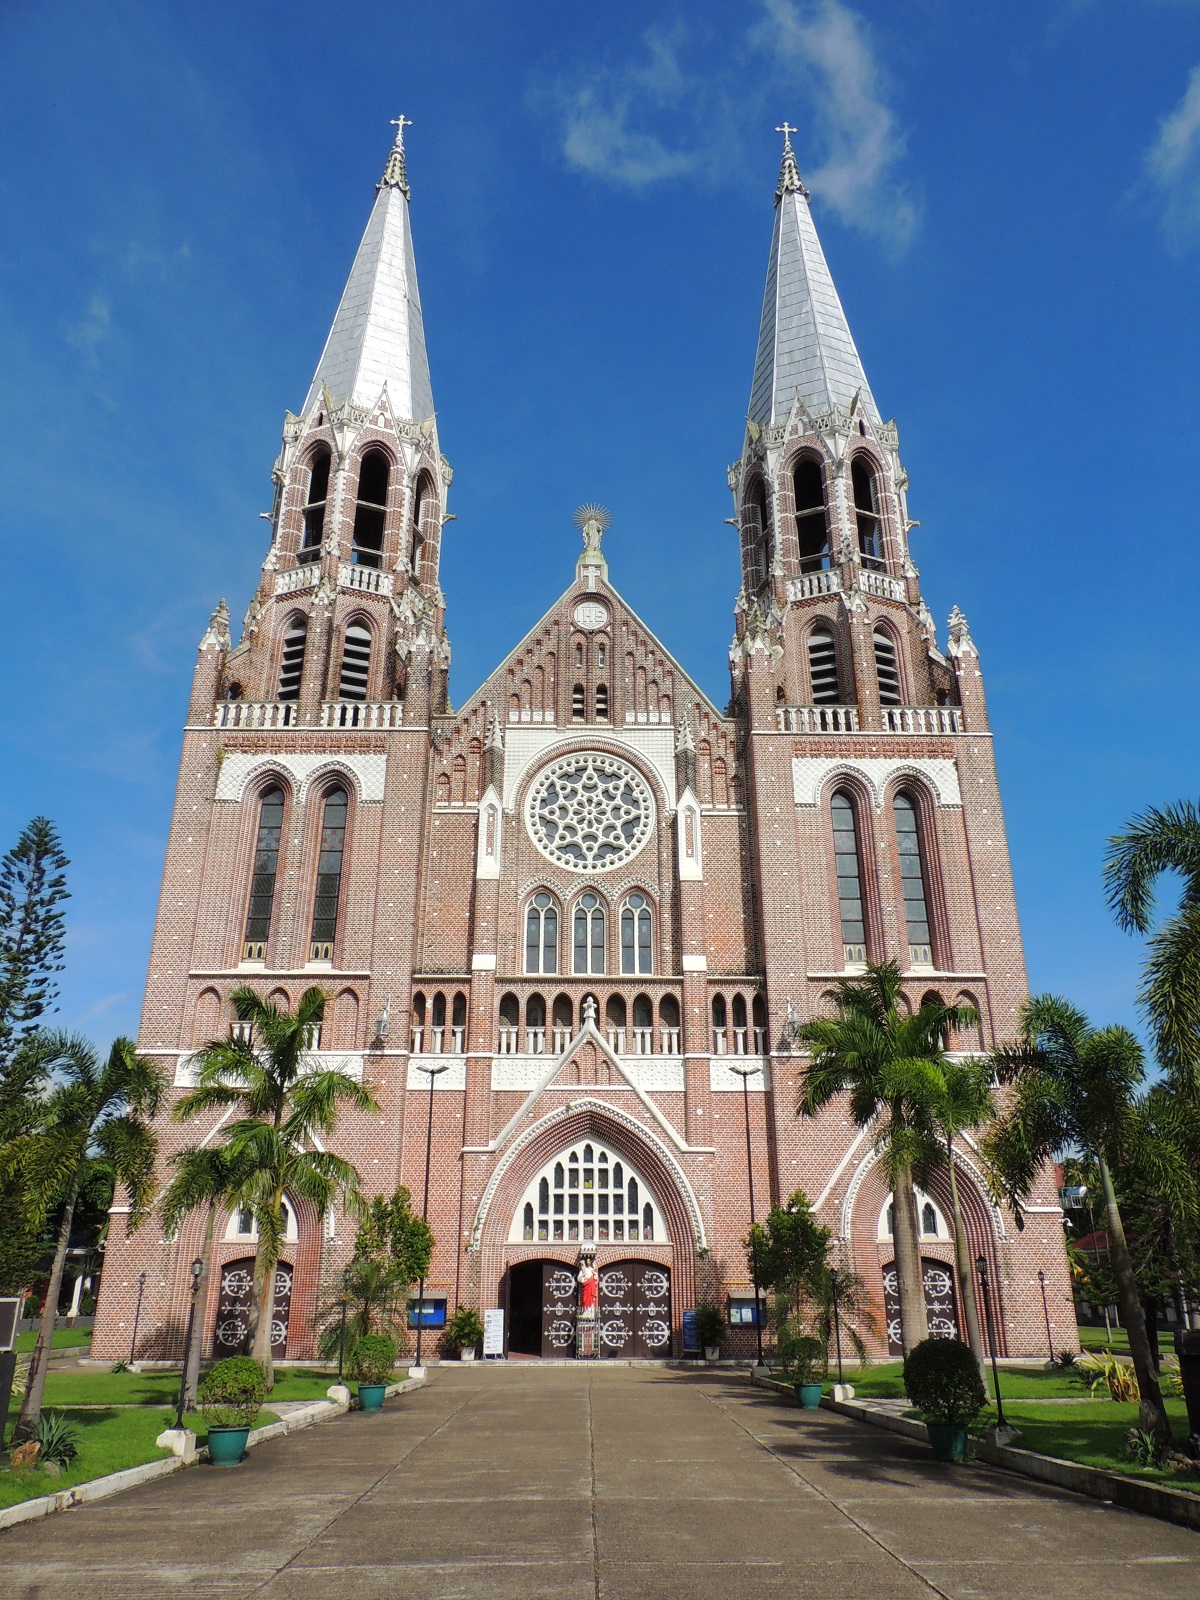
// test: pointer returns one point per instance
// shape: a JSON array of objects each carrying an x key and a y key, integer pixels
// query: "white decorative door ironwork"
[
  {"x": 634, "y": 1310},
  {"x": 231, "y": 1336},
  {"x": 559, "y": 1305},
  {"x": 941, "y": 1307}
]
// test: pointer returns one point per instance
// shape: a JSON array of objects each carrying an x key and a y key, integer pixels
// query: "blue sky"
[{"x": 1009, "y": 197}]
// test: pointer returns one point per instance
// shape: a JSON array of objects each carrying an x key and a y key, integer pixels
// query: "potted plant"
[
  {"x": 231, "y": 1394},
  {"x": 710, "y": 1330},
  {"x": 463, "y": 1332},
  {"x": 804, "y": 1356},
  {"x": 371, "y": 1364},
  {"x": 941, "y": 1378}
]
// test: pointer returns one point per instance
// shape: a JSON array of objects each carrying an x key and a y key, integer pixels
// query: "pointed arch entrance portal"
[{"x": 633, "y": 1312}]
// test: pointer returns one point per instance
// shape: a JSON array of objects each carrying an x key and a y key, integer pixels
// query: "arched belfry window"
[
  {"x": 812, "y": 519},
  {"x": 314, "y": 509},
  {"x": 329, "y": 876},
  {"x": 758, "y": 531},
  {"x": 371, "y": 508},
  {"x": 887, "y": 668},
  {"x": 912, "y": 881},
  {"x": 822, "y": 666},
  {"x": 589, "y": 935},
  {"x": 865, "y": 483},
  {"x": 541, "y": 934},
  {"x": 849, "y": 880},
  {"x": 291, "y": 666},
  {"x": 636, "y": 935},
  {"x": 589, "y": 1192},
  {"x": 422, "y": 496},
  {"x": 356, "y": 663},
  {"x": 266, "y": 868}
]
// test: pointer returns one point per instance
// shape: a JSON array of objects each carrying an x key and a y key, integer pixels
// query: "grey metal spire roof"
[
  {"x": 804, "y": 342},
  {"x": 378, "y": 336}
]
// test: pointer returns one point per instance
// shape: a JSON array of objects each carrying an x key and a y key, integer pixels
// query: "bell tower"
[{"x": 348, "y": 617}]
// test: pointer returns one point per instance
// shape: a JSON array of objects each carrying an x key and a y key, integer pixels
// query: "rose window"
[{"x": 590, "y": 812}]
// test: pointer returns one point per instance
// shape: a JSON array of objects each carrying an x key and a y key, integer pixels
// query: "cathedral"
[{"x": 567, "y": 930}]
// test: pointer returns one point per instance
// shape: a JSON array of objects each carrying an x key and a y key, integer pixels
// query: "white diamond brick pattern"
[
  {"x": 368, "y": 770},
  {"x": 454, "y": 1075},
  {"x": 810, "y": 772}
]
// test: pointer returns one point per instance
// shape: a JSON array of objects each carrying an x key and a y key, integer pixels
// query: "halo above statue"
[{"x": 593, "y": 521}]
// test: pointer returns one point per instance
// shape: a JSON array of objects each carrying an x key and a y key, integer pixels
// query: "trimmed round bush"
[
  {"x": 941, "y": 1378},
  {"x": 373, "y": 1358},
  {"x": 232, "y": 1392}
]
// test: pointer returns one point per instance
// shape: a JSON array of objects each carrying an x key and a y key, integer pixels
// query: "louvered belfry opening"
[
  {"x": 291, "y": 668},
  {"x": 887, "y": 669},
  {"x": 822, "y": 667},
  {"x": 356, "y": 663}
]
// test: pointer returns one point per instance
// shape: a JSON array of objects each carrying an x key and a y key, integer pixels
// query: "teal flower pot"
[
  {"x": 370, "y": 1396},
  {"x": 227, "y": 1446},
  {"x": 808, "y": 1395},
  {"x": 948, "y": 1440}
]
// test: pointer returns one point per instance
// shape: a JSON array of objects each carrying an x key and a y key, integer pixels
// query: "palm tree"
[
  {"x": 91, "y": 1123},
  {"x": 1158, "y": 841},
  {"x": 286, "y": 1101},
  {"x": 890, "y": 1064},
  {"x": 1076, "y": 1088},
  {"x": 375, "y": 1293},
  {"x": 205, "y": 1176},
  {"x": 964, "y": 1101}
]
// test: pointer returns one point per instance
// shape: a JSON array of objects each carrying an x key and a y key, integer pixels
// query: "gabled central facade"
[{"x": 570, "y": 926}]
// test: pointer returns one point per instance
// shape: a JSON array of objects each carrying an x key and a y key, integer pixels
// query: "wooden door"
[
  {"x": 559, "y": 1301},
  {"x": 941, "y": 1308},
  {"x": 634, "y": 1311},
  {"x": 231, "y": 1336}
]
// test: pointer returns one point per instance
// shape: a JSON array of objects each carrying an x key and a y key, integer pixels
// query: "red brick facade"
[{"x": 725, "y": 835}]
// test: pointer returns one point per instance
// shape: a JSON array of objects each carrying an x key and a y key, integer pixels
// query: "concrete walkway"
[{"x": 595, "y": 1483}]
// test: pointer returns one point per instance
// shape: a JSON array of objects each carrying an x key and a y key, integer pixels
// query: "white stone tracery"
[
  {"x": 590, "y": 812},
  {"x": 588, "y": 1192}
]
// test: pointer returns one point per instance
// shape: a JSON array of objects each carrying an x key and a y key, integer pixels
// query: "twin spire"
[
  {"x": 377, "y": 341},
  {"x": 805, "y": 349},
  {"x": 378, "y": 337}
]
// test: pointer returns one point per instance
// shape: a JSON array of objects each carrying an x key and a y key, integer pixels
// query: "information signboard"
[
  {"x": 10, "y": 1313},
  {"x": 493, "y": 1333}
]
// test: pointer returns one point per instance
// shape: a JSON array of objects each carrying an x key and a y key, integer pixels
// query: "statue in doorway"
[{"x": 589, "y": 1285}]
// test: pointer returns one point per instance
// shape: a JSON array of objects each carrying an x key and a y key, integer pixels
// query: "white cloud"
[
  {"x": 1173, "y": 165},
  {"x": 661, "y": 117},
  {"x": 95, "y": 327}
]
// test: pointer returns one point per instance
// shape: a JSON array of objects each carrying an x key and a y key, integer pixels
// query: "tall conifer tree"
[{"x": 33, "y": 886}]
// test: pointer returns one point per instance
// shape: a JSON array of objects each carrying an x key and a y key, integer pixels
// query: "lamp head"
[
  {"x": 981, "y": 1266},
  {"x": 345, "y": 1277},
  {"x": 1041, "y": 1277},
  {"x": 197, "y": 1268}
]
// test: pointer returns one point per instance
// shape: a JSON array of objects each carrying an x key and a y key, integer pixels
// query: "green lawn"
[
  {"x": 884, "y": 1382},
  {"x": 1097, "y": 1339},
  {"x": 64, "y": 1339},
  {"x": 97, "y": 1386},
  {"x": 1092, "y": 1434},
  {"x": 109, "y": 1441}
]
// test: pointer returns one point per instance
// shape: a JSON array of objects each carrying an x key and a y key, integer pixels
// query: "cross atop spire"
[
  {"x": 790, "y": 181},
  {"x": 394, "y": 174}
]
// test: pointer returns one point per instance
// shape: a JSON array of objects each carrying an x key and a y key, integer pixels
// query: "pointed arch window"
[
  {"x": 636, "y": 935},
  {"x": 849, "y": 880},
  {"x": 541, "y": 934},
  {"x": 588, "y": 1193},
  {"x": 262, "y": 884},
  {"x": 887, "y": 668},
  {"x": 329, "y": 876},
  {"x": 416, "y": 547},
  {"x": 601, "y": 702},
  {"x": 355, "y": 675},
  {"x": 578, "y": 704},
  {"x": 822, "y": 667},
  {"x": 589, "y": 934},
  {"x": 314, "y": 509},
  {"x": 812, "y": 518},
  {"x": 371, "y": 508},
  {"x": 758, "y": 517},
  {"x": 291, "y": 667},
  {"x": 865, "y": 483},
  {"x": 912, "y": 881}
]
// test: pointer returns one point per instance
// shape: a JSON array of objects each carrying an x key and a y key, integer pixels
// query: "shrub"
[
  {"x": 941, "y": 1378},
  {"x": 710, "y": 1326},
  {"x": 1143, "y": 1447},
  {"x": 464, "y": 1330},
  {"x": 373, "y": 1358},
  {"x": 1103, "y": 1369},
  {"x": 119, "y": 1366},
  {"x": 802, "y": 1356},
  {"x": 232, "y": 1392},
  {"x": 58, "y": 1442}
]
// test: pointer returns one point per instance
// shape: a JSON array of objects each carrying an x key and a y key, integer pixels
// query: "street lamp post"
[
  {"x": 197, "y": 1274},
  {"x": 837, "y": 1326},
  {"x": 981, "y": 1268},
  {"x": 342, "y": 1334},
  {"x": 745, "y": 1074},
  {"x": 1046, "y": 1314},
  {"x": 137, "y": 1315},
  {"x": 432, "y": 1073}
]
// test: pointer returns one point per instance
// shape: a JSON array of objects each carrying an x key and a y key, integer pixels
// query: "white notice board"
[{"x": 493, "y": 1333}]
